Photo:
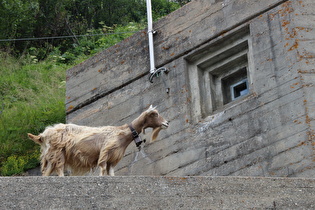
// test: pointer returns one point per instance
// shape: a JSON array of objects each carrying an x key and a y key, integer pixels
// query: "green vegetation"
[
  {"x": 50, "y": 18},
  {"x": 32, "y": 95},
  {"x": 32, "y": 73}
]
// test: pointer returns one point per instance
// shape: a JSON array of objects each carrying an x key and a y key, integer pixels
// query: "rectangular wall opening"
[{"x": 219, "y": 74}]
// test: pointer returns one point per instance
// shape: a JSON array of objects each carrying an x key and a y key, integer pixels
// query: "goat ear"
[
  {"x": 155, "y": 133},
  {"x": 36, "y": 139}
]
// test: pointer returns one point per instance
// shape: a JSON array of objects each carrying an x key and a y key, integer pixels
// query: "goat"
[{"x": 83, "y": 148}]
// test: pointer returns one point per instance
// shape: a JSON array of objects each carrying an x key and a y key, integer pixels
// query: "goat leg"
[
  {"x": 60, "y": 165},
  {"x": 102, "y": 166},
  {"x": 47, "y": 171},
  {"x": 110, "y": 170}
]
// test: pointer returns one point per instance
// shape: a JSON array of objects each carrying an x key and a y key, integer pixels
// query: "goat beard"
[{"x": 155, "y": 133}]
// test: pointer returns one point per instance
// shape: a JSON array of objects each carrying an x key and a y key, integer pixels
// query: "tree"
[
  {"x": 46, "y": 18},
  {"x": 17, "y": 19}
]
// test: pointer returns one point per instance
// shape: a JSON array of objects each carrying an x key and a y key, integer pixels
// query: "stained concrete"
[
  {"x": 149, "y": 192},
  {"x": 270, "y": 132}
]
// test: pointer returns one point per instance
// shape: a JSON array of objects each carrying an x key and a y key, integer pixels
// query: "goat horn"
[{"x": 151, "y": 108}]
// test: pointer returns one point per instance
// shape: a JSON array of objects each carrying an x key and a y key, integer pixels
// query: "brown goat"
[{"x": 82, "y": 148}]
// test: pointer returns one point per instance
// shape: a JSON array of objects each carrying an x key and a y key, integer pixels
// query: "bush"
[
  {"x": 33, "y": 93},
  {"x": 32, "y": 84},
  {"x": 18, "y": 164},
  {"x": 32, "y": 97}
]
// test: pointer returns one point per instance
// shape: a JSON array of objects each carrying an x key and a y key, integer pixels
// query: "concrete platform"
[{"x": 149, "y": 192}]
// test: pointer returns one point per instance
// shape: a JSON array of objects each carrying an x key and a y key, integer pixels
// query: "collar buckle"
[{"x": 137, "y": 139}]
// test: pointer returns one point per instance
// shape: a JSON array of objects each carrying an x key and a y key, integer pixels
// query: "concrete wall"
[
  {"x": 139, "y": 192},
  {"x": 268, "y": 133}
]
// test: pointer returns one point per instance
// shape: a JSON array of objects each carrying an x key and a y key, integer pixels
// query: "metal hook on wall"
[
  {"x": 159, "y": 72},
  {"x": 153, "y": 71}
]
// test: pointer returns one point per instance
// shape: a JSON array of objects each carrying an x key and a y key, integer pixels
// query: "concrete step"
[{"x": 149, "y": 192}]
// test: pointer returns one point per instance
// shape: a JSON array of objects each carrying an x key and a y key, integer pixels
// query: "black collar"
[{"x": 137, "y": 139}]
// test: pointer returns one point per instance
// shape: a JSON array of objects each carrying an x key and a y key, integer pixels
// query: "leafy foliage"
[
  {"x": 17, "y": 164},
  {"x": 49, "y": 18},
  {"x": 32, "y": 97},
  {"x": 32, "y": 94},
  {"x": 32, "y": 73}
]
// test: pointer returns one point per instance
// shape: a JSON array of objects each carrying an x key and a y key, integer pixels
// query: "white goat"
[{"x": 82, "y": 148}]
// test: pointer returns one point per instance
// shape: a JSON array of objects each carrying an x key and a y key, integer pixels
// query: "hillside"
[
  {"x": 32, "y": 74},
  {"x": 32, "y": 96}
]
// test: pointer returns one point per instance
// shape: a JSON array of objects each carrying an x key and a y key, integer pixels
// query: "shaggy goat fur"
[{"x": 82, "y": 148}]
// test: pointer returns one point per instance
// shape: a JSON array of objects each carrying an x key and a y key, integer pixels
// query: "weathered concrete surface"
[
  {"x": 269, "y": 133},
  {"x": 143, "y": 192},
  {"x": 177, "y": 34}
]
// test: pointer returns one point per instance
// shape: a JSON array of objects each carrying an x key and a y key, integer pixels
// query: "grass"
[{"x": 32, "y": 96}]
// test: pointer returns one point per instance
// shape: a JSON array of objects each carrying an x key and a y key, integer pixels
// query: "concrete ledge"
[{"x": 148, "y": 192}]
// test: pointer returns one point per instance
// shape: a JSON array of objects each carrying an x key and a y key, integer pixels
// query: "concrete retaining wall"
[
  {"x": 140, "y": 192},
  {"x": 268, "y": 133}
]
